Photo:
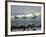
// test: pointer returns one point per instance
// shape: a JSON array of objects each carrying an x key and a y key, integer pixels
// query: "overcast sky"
[{"x": 23, "y": 10}]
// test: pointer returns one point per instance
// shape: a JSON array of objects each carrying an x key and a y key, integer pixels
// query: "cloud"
[{"x": 22, "y": 10}]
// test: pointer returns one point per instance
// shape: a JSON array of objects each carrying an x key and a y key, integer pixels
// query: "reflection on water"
[{"x": 29, "y": 29}]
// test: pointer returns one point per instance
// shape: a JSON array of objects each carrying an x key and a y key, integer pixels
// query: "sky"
[{"x": 23, "y": 10}]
